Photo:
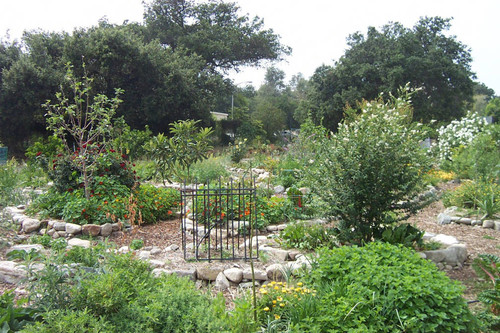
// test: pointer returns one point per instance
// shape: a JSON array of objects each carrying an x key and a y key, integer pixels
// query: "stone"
[
  {"x": 444, "y": 239},
  {"x": 18, "y": 218},
  {"x": 155, "y": 251},
  {"x": 73, "y": 229},
  {"x": 26, "y": 248},
  {"x": 497, "y": 225},
  {"x": 275, "y": 272},
  {"x": 124, "y": 249},
  {"x": 476, "y": 223},
  {"x": 435, "y": 256},
  {"x": 276, "y": 227},
  {"x": 259, "y": 274},
  {"x": 172, "y": 248},
  {"x": 221, "y": 282},
  {"x": 11, "y": 272},
  {"x": 443, "y": 219},
  {"x": 293, "y": 254},
  {"x": 144, "y": 255},
  {"x": 305, "y": 190},
  {"x": 59, "y": 226},
  {"x": 448, "y": 267},
  {"x": 116, "y": 226},
  {"x": 248, "y": 285},
  {"x": 488, "y": 224},
  {"x": 428, "y": 235},
  {"x": 79, "y": 242},
  {"x": 13, "y": 210},
  {"x": 422, "y": 255},
  {"x": 156, "y": 263},
  {"x": 188, "y": 272},
  {"x": 91, "y": 230},
  {"x": 55, "y": 234},
  {"x": 450, "y": 210},
  {"x": 461, "y": 220},
  {"x": 30, "y": 225},
  {"x": 440, "y": 266},
  {"x": 234, "y": 274},
  {"x": 279, "y": 254},
  {"x": 456, "y": 254},
  {"x": 208, "y": 273},
  {"x": 106, "y": 229},
  {"x": 279, "y": 189}
]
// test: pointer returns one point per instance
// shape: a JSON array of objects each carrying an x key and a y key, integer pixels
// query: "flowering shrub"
[
  {"x": 280, "y": 301},
  {"x": 373, "y": 162},
  {"x": 475, "y": 195},
  {"x": 156, "y": 203},
  {"x": 457, "y": 133},
  {"x": 239, "y": 151}
]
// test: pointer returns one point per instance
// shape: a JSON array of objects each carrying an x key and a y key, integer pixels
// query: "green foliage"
[
  {"x": 209, "y": 170},
  {"x": 156, "y": 203},
  {"x": 14, "y": 316},
  {"x": 372, "y": 163},
  {"x": 284, "y": 304},
  {"x": 188, "y": 145},
  {"x": 476, "y": 196},
  {"x": 70, "y": 321},
  {"x": 385, "y": 288},
  {"x": 384, "y": 59},
  {"x": 270, "y": 210},
  {"x": 10, "y": 184},
  {"x": 174, "y": 305},
  {"x": 493, "y": 108},
  {"x": 238, "y": 151},
  {"x": 87, "y": 121},
  {"x": 44, "y": 150},
  {"x": 487, "y": 266},
  {"x": 404, "y": 234},
  {"x": 307, "y": 236},
  {"x": 480, "y": 158},
  {"x": 129, "y": 141},
  {"x": 136, "y": 244}
]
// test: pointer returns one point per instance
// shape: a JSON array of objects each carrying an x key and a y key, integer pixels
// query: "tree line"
[{"x": 174, "y": 66}]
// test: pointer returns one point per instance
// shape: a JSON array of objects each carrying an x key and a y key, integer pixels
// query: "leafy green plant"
[
  {"x": 70, "y": 321},
  {"x": 475, "y": 195},
  {"x": 404, "y": 234},
  {"x": 188, "y": 145},
  {"x": 136, "y": 244},
  {"x": 155, "y": 204},
  {"x": 211, "y": 169},
  {"x": 372, "y": 163},
  {"x": 14, "y": 316},
  {"x": 86, "y": 119},
  {"x": 385, "y": 288},
  {"x": 488, "y": 267},
  {"x": 10, "y": 184},
  {"x": 306, "y": 236},
  {"x": 238, "y": 151}
]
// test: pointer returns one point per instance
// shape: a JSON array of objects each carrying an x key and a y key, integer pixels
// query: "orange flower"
[{"x": 169, "y": 212}]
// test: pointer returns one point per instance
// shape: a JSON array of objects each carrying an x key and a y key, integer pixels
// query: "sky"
[{"x": 316, "y": 30}]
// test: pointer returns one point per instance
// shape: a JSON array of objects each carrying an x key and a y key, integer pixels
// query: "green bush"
[
  {"x": 480, "y": 196},
  {"x": 14, "y": 316},
  {"x": 372, "y": 163},
  {"x": 211, "y": 169},
  {"x": 385, "y": 288},
  {"x": 156, "y": 204},
  {"x": 304, "y": 236},
  {"x": 174, "y": 305},
  {"x": 479, "y": 160},
  {"x": 70, "y": 321},
  {"x": 487, "y": 266},
  {"x": 10, "y": 184}
]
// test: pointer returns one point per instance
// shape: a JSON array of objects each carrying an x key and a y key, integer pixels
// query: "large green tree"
[
  {"x": 388, "y": 58},
  {"x": 213, "y": 30}
]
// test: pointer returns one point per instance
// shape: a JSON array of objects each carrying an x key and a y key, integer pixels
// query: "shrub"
[
  {"x": 457, "y": 133},
  {"x": 13, "y": 316},
  {"x": 238, "y": 151},
  {"x": 209, "y": 170},
  {"x": 475, "y": 195},
  {"x": 371, "y": 164},
  {"x": 10, "y": 184},
  {"x": 303, "y": 235},
  {"x": 386, "y": 288},
  {"x": 487, "y": 266},
  {"x": 70, "y": 321},
  {"x": 155, "y": 203}
]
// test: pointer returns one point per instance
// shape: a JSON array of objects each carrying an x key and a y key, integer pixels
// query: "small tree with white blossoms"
[
  {"x": 455, "y": 134},
  {"x": 372, "y": 165}
]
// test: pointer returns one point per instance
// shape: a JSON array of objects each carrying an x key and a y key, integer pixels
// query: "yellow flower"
[
  {"x": 266, "y": 308},
  {"x": 273, "y": 283},
  {"x": 276, "y": 288},
  {"x": 282, "y": 305},
  {"x": 274, "y": 301},
  {"x": 299, "y": 284},
  {"x": 279, "y": 298},
  {"x": 276, "y": 317}
]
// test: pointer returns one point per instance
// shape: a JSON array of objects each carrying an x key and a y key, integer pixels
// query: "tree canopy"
[
  {"x": 383, "y": 60},
  {"x": 172, "y": 67}
]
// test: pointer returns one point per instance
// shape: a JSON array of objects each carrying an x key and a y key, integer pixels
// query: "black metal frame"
[{"x": 222, "y": 218}]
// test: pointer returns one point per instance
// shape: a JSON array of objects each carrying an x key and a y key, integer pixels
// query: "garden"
[{"x": 357, "y": 206}]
